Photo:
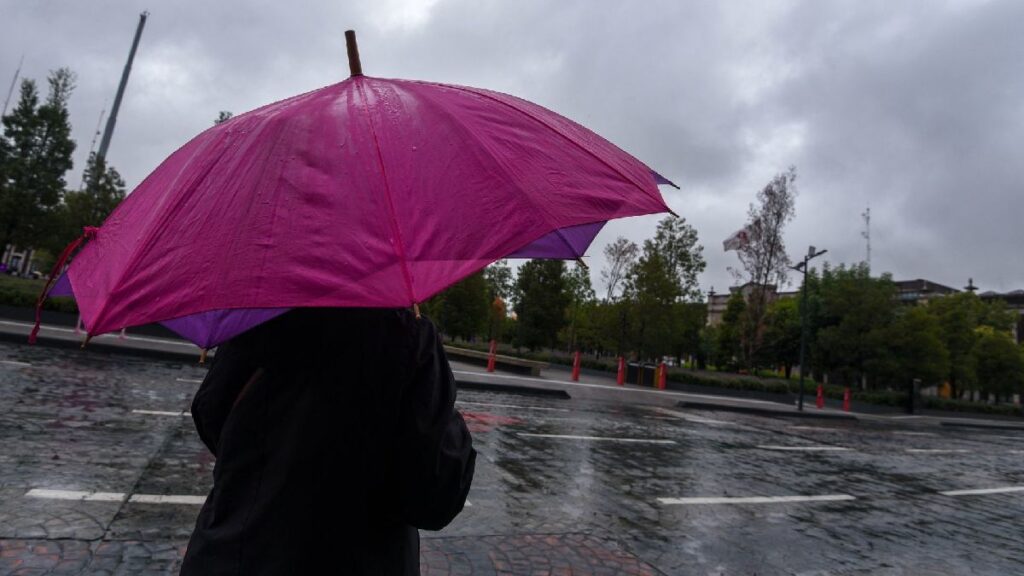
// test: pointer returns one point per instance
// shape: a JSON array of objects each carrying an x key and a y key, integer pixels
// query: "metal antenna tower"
[
  {"x": 112, "y": 119},
  {"x": 866, "y": 215},
  {"x": 14, "y": 81}
]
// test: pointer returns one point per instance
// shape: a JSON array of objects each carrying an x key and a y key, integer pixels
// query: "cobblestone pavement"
[{"x": 562, "y": 486}]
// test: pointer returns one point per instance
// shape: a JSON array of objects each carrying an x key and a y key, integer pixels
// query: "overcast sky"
[{"x": 915, "y": 109}]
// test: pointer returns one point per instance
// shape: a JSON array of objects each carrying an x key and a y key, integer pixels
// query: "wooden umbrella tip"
[{"x": 355, "y": 67}]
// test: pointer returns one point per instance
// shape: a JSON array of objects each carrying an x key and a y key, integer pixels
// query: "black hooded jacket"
[{"x": 336, "y": 438}]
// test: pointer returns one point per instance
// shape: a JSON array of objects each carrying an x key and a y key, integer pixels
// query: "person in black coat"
[{"x": 336, "y": 437}]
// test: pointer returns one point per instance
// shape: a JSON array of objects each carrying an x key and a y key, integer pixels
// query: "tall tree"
[
  {"x": 910, "y": 348},
  {"x": 35, "y": 154},
  {"x": 581, "y": 293},
  {"x": 104, "y": 190},
  {"x": 727, "y": 348},
  {"x": 499, "y": 279},
  {"x": 541, "y": 297},
  {"x": 763, "y": 254},
  {"x": 782, "y": 334},
  {"x": 620, "y": 256},
  {"x": 463, "y": 307},
  {"x": 676, "y": 242},
  {"x": 652, "y": 290}
]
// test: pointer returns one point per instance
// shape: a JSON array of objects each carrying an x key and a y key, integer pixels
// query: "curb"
[
  {"x": 99, "y": 345},
  {"x": 511, "y": 389},
  {"x": 777, "y": 413}
]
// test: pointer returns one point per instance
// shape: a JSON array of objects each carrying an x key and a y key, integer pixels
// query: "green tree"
[
  {"x": 689, "y": 319},
  {"x": 35, "y": 154},
  {"x": 855, "y": 311},
  {"x": 104, "y": 190},
  {"x": 728, "y": 347},
  {"x": 998, "y": 363},
  {"x": 782, "y": 334},
  {"x": 581, "y": 293},
  {"x": 910, "y": 348},
  {"x": 652, "y": 290},
  {"x": 676, "y": 242},
  {"x": 541, "y": 296},
  {"x": 223, "y": 116},
  {"x": 462, "y": 309},
  {"x": 499, "y": 287}
]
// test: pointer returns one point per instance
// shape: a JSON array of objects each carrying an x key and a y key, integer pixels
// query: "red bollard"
[
  {"x": 620, "y": 378},
  {"x": 491, "y": 355},
  {"x": 846, "y": 399},
  {"x": 662, "y": 372},
  {"x": 821, "y": 397},
  {"x": 576, "y": 367}
]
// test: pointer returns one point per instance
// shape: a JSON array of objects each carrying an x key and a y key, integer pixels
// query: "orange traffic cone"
[{"x": 491, "y": 355}]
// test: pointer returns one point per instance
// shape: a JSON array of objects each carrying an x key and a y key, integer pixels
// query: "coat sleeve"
[
  {"x": 232, "y": 368},
  {"x": 436, "y": 455}
]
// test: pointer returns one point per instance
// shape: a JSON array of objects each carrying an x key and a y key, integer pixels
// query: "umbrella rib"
[
  {"x": 485, "y": 94},
  {"x": 399, "y": 246}
]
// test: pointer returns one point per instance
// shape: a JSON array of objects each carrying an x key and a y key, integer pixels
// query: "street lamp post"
[{"x": 802, "y": 268}]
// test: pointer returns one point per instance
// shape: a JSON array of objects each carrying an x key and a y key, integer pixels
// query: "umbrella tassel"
[{"x": 58, "y": 267}]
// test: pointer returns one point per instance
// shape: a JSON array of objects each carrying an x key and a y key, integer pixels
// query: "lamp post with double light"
[{"x": 802, "y": 268}]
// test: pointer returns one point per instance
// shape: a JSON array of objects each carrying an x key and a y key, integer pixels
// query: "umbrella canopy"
[{"x": 369, "y": 193}]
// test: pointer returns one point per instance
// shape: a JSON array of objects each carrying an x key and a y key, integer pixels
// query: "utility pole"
[
  {"x": 112, "y": 119},
  {"x": 14, "y": 81}
]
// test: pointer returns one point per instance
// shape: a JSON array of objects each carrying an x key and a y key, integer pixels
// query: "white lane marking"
[
  {"x": 981, "y": 491},
  {"x": 14, "y": 363},
  {"x": 935, "y": 451},
  {"x": 694, "y": 419},
  {"x": 161, "y": 413},
  {"x": 806, "y": 448},
  {"x": 1016, "y": 451},
  {"x": 907, "y": 433},
  {"x": 904, "y": 417},
  {"x": 601, "y": 438},
  {"x": 189, "y": 380},
  {"x": 75, "y": 495},
  {"x": 108, "y": 335},
  {"x": 166, "y": 499},
  {"x": 511, "y": 406},
  {"x": 607, "y": 387},
  {"x": 756, "y": 499},
  {"x": 813, "y": 428}
]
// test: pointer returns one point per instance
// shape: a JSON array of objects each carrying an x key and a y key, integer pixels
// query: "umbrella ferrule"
[{"x": 354, "y": 65}]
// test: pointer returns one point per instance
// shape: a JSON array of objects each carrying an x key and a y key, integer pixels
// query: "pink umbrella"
[{"x": 368, "y": 193}]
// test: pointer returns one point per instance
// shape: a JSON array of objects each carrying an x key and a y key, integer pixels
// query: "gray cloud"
[{"x": 913, "y": 108}]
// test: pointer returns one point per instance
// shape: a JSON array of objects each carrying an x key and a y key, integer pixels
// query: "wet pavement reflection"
[{"x": 568, "y": 486}]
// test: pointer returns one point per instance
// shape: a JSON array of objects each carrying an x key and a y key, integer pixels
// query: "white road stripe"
[
  {"x": 601, "y": 438},
  {"x": 166, "y": 499},
  {"x": 813, "y": 428},
  {"x": 694, "y": 419},
  {"x": 906, "y": 433},
  {"x": 756, "y": 499},
  {"x": 189, "y": 380},
  {"x": 14, "y": 363},
  {"x": 981, "y": 491},
  {"x": 935, "y": 451},
  {"x": 806, "y": 448},
  {"x": 161, "y": 413},
  {"x": 511, "y": 406},
  {"x": 75, "y": 495}
]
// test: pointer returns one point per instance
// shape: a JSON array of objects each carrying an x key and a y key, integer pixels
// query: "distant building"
[
  {"x": 920, "y": 291},
  {"x": 717, "y": 303}
]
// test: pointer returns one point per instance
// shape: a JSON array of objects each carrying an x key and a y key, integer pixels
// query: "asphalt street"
[{"x": 101, "y": 472}]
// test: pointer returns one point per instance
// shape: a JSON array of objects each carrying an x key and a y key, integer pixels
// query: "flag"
[{"x": 737, "y": 241}]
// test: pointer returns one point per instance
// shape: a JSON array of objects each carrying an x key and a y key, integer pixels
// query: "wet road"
[{"x": 101, "y": 472}]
